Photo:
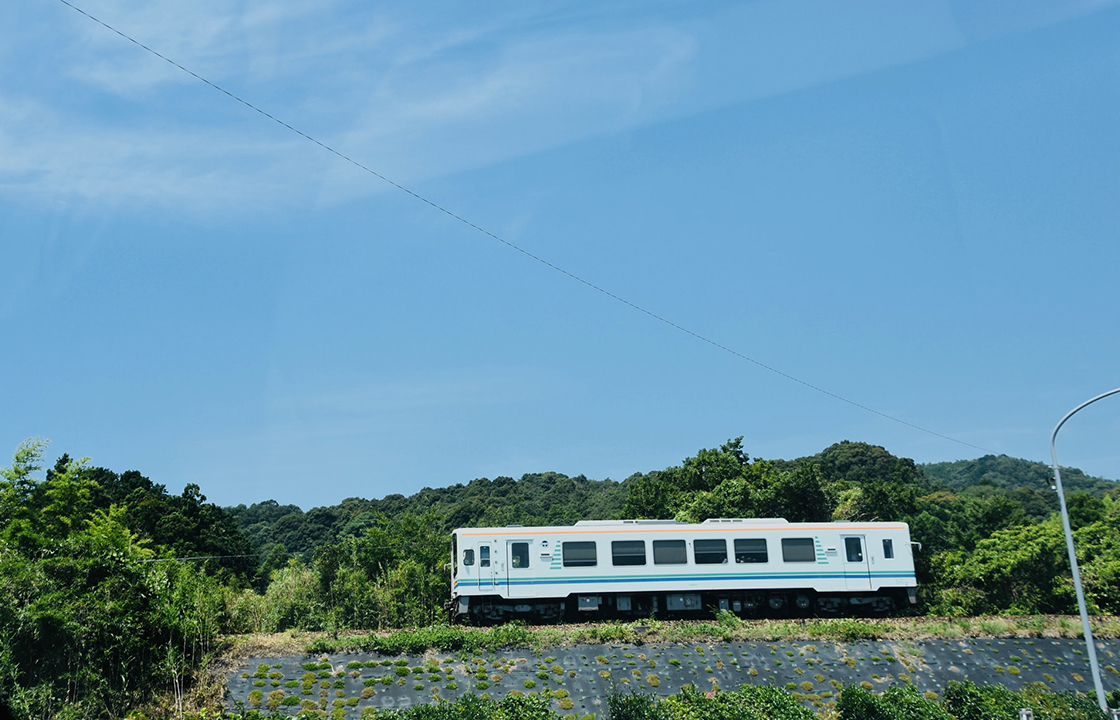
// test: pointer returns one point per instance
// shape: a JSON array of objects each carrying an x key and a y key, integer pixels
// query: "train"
[{"x": 619, "y": 569}]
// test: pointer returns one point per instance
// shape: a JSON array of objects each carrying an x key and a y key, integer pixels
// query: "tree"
[
  {"x": 1019, "y": 570},
  {"x": 798, "y": 495},
  {"x": 17, "y": 485},
  {"x": 706, "y": 470},
  {"x": 859, "y": 463},
  {"x": 649, "y": 496}
]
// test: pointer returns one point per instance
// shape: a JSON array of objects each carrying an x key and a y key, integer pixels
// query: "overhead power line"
[{"x": 436, "y": 206}]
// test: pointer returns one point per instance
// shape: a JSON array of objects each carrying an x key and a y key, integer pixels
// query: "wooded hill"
[
  {"x": 113, "y": 591},
  {"x": 278, "y": 532},
  {"x": 1008, "y": 473},
  {"x": 536, "y": 499}
]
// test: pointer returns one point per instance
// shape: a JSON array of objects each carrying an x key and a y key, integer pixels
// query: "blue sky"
[{"x": 913, "y": 206}]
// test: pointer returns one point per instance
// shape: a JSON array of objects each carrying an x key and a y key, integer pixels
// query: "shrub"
[
  {"x": 857, "y": 703},
  {"x": 632, "y": 706},
  {"x": 746, "y": 703},
  {"x": 897, "y": 703},
  {"x": 274, "y": 699},
  {"x": 968, "y": 701},
  {"x": 1060, "y": 706}
]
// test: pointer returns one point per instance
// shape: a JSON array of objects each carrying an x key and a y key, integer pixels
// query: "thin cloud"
[{"x": 415, "y": 96}]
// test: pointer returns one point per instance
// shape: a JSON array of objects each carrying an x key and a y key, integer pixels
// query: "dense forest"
[{"x": 115, "y": 592}]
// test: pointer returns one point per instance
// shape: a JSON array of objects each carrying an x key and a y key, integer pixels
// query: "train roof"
[{"x": 709, "y": 525}]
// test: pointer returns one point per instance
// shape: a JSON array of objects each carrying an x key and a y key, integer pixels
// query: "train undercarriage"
[{"x": 494, "y": 609}]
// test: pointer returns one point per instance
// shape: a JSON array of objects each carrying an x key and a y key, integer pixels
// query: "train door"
[
  {"x": 518, "y": 572},
  {"x": 486, "y": 567},
  {"x": 857, "y": 567}
]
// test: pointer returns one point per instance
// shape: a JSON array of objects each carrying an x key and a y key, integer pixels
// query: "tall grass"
[{"x": 724, "y": 628}]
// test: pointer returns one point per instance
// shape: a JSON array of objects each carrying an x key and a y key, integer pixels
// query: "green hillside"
[
  {"x": 536, "y": 499},
  {"x": 102, "y": 572},
  {"x": 1008, "y": 473}
]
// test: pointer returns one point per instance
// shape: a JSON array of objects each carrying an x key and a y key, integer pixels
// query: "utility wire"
[{"x": 523, "y": 251}]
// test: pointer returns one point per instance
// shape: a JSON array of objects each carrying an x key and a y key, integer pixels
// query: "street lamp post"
[{"x": 1090, "y": 647}]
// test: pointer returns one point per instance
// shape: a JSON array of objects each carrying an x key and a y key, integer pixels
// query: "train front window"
[
  {"x": 798, "y": 550},
  {"x": 484, "y": 556},
  {"x": 669, "y": 552},
  {"x": 579, "y": 554},
  {"x": 709, "y": 552},
  {"x": 468, "y": 557},
  {"x": 751, "y": 550},
  {"x": 628, "y": 552}
]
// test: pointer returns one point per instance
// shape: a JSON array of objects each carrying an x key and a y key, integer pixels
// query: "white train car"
[{"x": 634, "y": 568}]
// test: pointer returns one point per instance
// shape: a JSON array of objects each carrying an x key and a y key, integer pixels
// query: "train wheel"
[{"x": 803, "y": 602}]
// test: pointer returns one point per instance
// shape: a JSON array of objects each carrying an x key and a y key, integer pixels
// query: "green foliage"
[
  {"x": 727, "y": 483},
  {"x": 635, "y": 706},
  {"x": 92, "y": 623},
  {"x": 392, "y": 576},
  {"x": 968, "y": 701},
  {"x": 847, "y": 629},
  {"x": 1012, "y": 571},
  {"x": 1061, "y": 706},
  {"x": 535, "y": 499},
  {"x": 90, "y": 590},
  {"x": 649, "y": 496},
  {"x": 1012, "y": 474},
  {"x": 293, "y": 600},
  {"x": 747, "y": 703},
  {"x": 897, "y": 703},
  {"x": 443, "y": 638},
  {"x": 470, "y": 707}
]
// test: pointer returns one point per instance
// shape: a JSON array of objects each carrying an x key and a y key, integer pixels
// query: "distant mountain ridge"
[
  {"x": 1008, "y": 473},
  {"x": 547, "y": 498},
  {"x": 551, "y": 498}
]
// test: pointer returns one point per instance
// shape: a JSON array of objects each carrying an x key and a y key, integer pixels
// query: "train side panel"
[{"x": 636, "y": 567}]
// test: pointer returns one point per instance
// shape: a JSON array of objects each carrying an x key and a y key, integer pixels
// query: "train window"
[
  {"x": 751, "y": 550},
  {"x": 628, "y": 552},
  {"x": 798, "y": 550},
  {"x": 888, "y": 549},
  {"x": 669, "y": 552},
  {"x": 709, "y": 552},
  {"x": 468, "y": 557},
  {"x": 519, "y": 554},
  {"x": 579, "y": 554},
  {"x": 854, "y": 549},
  {"x": 484, "y": 556}
]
